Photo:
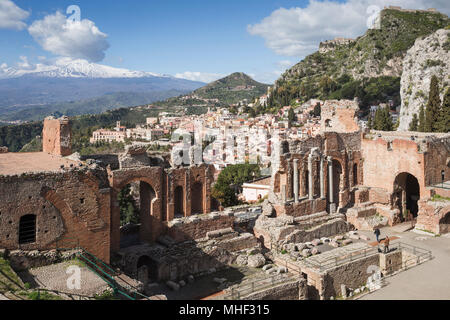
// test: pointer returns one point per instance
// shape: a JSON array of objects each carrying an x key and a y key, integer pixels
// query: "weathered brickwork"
[
  {"x": 67, "y": 206},
  {"x": 56, "y": 136},
  {"x": 198, "y": 227},
  {"x": 339, "y": 116}
]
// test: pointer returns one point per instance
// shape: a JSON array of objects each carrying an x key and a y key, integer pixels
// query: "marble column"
[
  {"x": 322, "y": 182},
  {"x": 310, "y": 177},
  {"x": 330, "y": 183},
  {"x": 296, "y": 180}
]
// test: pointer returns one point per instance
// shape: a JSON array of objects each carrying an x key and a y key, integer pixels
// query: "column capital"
[
  {"x": 329, "y": 158},
  {"x": 295, "y": 161}
]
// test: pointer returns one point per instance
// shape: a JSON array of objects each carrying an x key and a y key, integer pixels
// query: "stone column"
[
  {"x": 330, "y": 183},
  {"x": 310, "y": 177},
  {"x": 296, "y": 180},
  {"x": 322, "y": 182}
]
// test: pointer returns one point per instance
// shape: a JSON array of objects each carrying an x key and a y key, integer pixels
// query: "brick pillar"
[{"x": 57, "y": 136}]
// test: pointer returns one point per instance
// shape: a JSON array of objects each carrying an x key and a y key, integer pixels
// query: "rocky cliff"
[
  {"x": 429, "y": 56},
  {"x": 361, "y": 67}
]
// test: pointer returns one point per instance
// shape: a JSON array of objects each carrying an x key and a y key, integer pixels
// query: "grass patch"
[
  {"x": 9, "y": 281},
  {"x": 437, "y": 197},
  {"x": 43, "y": 295},
  {"x": 107, "y": 295},
  {"x": 76, "y": 262}
]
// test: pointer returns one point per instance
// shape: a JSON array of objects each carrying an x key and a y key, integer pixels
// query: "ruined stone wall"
[
  {"x": 68, "y": 206},
  {"x": 293, "y": 290},
  {"x": 162, "y": 183},
  {"x": 436, "y": 160},
  {"x": 328, "y": 283},
  {"x": 384, "y": 161},
  {"x": 197, "y": 227},
  {"x": 56, "y": 136},
  {"x": 339, "y": 116},
  {"x": 431, "y": 215},
  {"x": 304, "y": 207}
]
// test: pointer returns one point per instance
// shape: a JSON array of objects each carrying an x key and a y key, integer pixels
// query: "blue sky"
[{"x": 215, "y": 38}]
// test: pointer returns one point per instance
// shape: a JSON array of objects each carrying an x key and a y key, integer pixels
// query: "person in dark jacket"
[{"x": 377, "y": 234}]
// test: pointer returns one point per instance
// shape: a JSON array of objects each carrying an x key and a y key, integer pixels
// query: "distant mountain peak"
[{"x": 69, "y": 68}]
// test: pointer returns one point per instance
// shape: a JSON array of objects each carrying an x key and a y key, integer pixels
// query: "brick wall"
[
  {"x": 56, "y": 136},
  {"x": 68, "y": 205}
]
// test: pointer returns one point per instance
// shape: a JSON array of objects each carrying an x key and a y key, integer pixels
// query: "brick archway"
[
  {"x": 406, "y": 193},
  {"x": 179, "y": 208},
  {"x": 197, "y": 198},
  {"x": 150, "y": 211}
]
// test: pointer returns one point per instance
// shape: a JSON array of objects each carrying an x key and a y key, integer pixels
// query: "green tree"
[
  {"x": 370, "y": 122},
  {"x": 433, "y": 107},
  {"x": 291, "y": 115},
  {"x": 234, "y": 175},
  {"x": 317, "y": 110},
  {"x": 383, "y": 120},
  {"x": 422, "y": 120},
  {"x": 444, "y": 117},
  {"x": 128, "y": 209},
  {"x": 414, "y": 125}
]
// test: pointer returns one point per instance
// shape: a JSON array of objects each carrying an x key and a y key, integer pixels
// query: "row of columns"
[{"x": 310, "y": 178}]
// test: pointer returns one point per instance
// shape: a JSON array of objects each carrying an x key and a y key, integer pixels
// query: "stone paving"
[
  {"x": 54, "y": 277},
  {"x": 338, "y": 254},
  {"x": 428, "y": 281}
]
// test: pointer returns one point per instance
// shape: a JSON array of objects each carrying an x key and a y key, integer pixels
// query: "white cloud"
[
  {"x": 298, "y": 31},
  {"x": 80, "y": 39},
  {"x": 23, "y": 64},
  {"x": 11, "y": 16},
  {"x": 199, "y": 76}
]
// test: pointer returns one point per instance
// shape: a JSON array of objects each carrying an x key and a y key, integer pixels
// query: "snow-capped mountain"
[
  {"x": 72, "y": 87},
  {"x": 69, "y": 68}
]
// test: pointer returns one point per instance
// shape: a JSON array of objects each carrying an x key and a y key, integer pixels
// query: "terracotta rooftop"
[{"x": 18, "y": 163}]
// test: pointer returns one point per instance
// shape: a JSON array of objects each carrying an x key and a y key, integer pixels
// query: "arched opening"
[
  {"x": 407, "y": 194},
  {"x": 179, "y": 203},
  {"x": 197, "y": 198},
  {"x": 355, "y": 174},
  {"x": 27, "y": 229},
  {"x": 152, "y": 269},
  {"x": 337, "y": 172},
  {"x": 135, "y": 202},
  {"x": 306, "y": 184},
  {"x": 444, "y": 224}
]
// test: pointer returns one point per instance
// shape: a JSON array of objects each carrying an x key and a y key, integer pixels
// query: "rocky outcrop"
[{"x": 430, "y": 56}]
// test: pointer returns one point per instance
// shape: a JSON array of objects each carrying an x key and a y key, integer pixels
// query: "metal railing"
[
  {"x": 100, "y": 268},
  {"x": 245, "y": 290},
  {"x": 421, "y": 254}
]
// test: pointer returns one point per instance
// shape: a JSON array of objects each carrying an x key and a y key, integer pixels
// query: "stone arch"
[
  {"x": 337, "y": 174},
  {"x": 149, "y": 210},
  {"x": 355, "y": 174},
  {"x": 406, "y": 193},
  {"x": 151, "y": 265},
  {"x": 178, "y": 199},
  {"x": 444, "y": 223},
  {"x": 197, "y": 198},
  {"x": 27, "y": 229}
]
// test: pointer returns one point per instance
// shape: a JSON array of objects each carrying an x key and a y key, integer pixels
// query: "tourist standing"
[
  {"x": 386, "y": 245},
  {"x": 377, "y": 234}
]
